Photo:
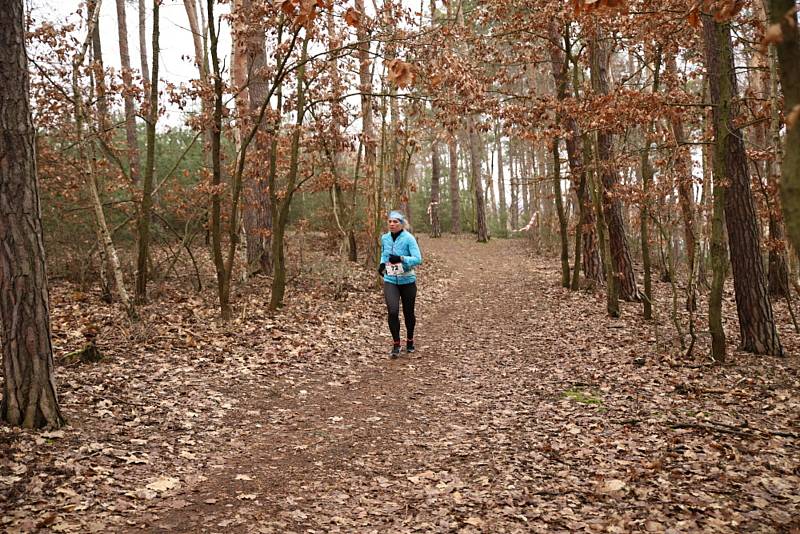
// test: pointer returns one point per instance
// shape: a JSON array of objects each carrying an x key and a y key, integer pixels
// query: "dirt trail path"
[{"x": 522, "y": 411}]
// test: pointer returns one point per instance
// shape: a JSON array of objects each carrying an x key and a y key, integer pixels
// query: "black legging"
[{"x": 393, "y": 294}]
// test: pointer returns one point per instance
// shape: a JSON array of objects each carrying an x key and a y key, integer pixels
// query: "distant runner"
[{"x": 399, "y": 255}]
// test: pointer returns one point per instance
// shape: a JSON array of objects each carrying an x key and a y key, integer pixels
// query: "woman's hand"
[{"x": 394, "y": 258}]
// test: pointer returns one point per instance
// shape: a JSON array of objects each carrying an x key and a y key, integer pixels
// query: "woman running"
[{"x": 399, "y": 255}]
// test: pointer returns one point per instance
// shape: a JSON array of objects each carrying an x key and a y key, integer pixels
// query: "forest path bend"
[{"x": 513, "y": 416}]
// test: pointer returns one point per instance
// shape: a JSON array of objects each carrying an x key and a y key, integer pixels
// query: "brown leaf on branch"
[
  {"x": 352, "y": 17},
  {"x": 694, "y": 18},
  {"x": 400, "y": 73},
  {"x": 287, "y": 6},
  {"x": 308, "y": 12}
]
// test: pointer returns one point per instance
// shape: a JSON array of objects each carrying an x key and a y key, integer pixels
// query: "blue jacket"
[{"x": 406, "y": 247}]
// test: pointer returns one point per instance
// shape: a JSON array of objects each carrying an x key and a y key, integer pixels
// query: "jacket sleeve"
[
  {"x": 384, "y": 252},
  {"x": 415, "y": 256}
]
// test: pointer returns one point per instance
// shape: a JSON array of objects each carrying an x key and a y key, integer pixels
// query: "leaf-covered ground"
[{"x": 525, "y": 409}]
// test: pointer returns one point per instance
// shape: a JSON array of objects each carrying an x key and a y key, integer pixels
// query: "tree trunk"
[
  {"x": 644, "y": 216},
  {"x": 612, "y": 206},
  {"x": 87, "y": 162},
  {"x": 223, "y": 280},
  {"x": 145, "y": 210},
  {"x": 756, "y": 321},
  {"x": 143, "y": 44},
  {"x": 612, "y": 296},
  {"x": 257, "y": 216},
  {"x": 29, "y": 388},
  {"x": 127, "y": 83},
  {"x": 374, "y": 205},
  {"x": 436, "y": 227},
  {"x": 784, "y": 12},
  {"x": 514, "y": 182},
  {"x": 501, "y": 185},
  {"x": 99, "y": 76},
  {"x": 455, "y": 198},
  {"x": 475, "y": 165},
  {"x": 778, "y": 265},
  {"x": 684, "y": 178},
  {"x": 279, "y": 265},
  {"x": 562, "y": 217}
]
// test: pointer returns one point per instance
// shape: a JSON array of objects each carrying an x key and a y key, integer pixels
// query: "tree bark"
[
  {"x": 223, "y": 280},
  {"x": 257, "y": 215},
  {"x": 514, "y": 182},
  {"x": 784, "y": 12},
  {"x": 282, "y": 213},
  {"x": 684, "y": 179},
  {"x": 436, "y": 226},
  {"x": 475, "y": 165},
  {"x": 756, "y": 322},
  {"x": 562, "y": 217},
  {"x": 612, "y": 206},
  {"x": 143, "y": 43},
  {"x": 127, "y": 83},
  {"x": 374, "y": 205},
  {"x": 501, "y": 185},
  {"x": 29, "y": 389},
  {"x": 146, "y": 208},
  {"x": 455, "y": 197}
]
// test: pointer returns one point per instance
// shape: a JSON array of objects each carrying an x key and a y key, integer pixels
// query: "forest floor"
[{"x": 524, "y": 409}]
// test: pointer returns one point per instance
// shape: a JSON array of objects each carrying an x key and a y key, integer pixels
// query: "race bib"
[{"x": 394, "y": 269}]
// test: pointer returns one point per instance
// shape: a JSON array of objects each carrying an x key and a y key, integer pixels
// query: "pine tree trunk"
[
  {"x": 475, "y": 165},
  {"x": 756, "y": 321},
  {"x": 612, "y": 206},
  {"x": 29, "y": 389},
  {"x": 127, "y": 83},
  {"x": 257, "y": 216}
]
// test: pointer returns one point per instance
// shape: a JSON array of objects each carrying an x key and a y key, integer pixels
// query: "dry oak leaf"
[
  {"x": 352, "y": 17},
  {"x": 400, "y": 73},
  {"x": 164, "y": 484}
]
